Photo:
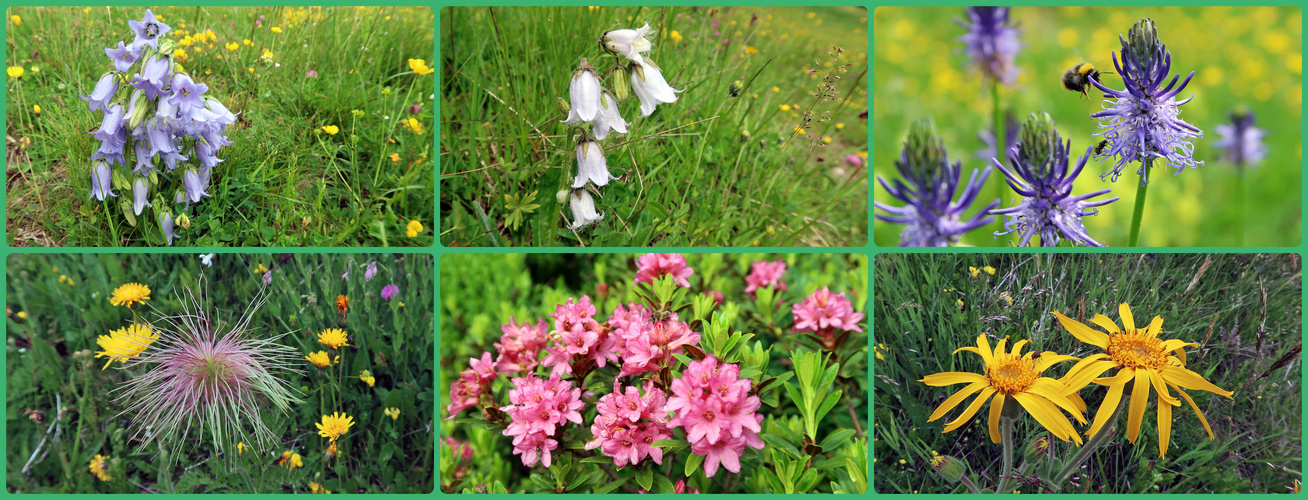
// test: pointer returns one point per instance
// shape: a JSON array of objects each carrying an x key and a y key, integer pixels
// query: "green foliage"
[
  {"x": 1244, "y": 311},
  {"x": 707, "y": 170},
  {"x": 60, "y": 305},
  {"x": 283, "y": 182},
  {"x": 815, "y": 396}
]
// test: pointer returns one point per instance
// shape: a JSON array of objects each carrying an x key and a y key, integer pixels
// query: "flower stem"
[
  {"x": 1006, "y": 435},
  {"x": 1071, "y": 466},
  {"x": 1001, "y": 143},
  {"x": 970, "y": 485},
  {"x": 1239, "y": 208},
  {"x": 1141, "y": 191}
]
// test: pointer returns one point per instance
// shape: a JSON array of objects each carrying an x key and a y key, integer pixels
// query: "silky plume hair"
[{"x": 203, "y": 375}]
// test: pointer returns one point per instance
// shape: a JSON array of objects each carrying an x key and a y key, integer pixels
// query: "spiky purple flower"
[
  {"x": 991, "y": 42},
  {"x": 1142, "y": 122},
  {"x": 1040, "y": 173},
  {"x": 206, "y": 376},
  {"x": 1242, "y": 142},
  {"x": 932, "y": 217}
]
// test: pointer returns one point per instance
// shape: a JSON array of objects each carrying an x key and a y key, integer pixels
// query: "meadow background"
[
  {"x": 58, "y": 305},
  {"x": 480, "y": 292},
  {"x": 1246, "y": 57},
  {"x": 707, "y": 170},
  {"x": 284, "y": 182},
  {"x": 1244, "y": 311}
]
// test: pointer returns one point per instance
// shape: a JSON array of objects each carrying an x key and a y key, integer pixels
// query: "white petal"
[{"x": 585, "y": 95}]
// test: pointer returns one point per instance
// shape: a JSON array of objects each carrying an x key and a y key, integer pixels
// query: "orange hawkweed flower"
[{"x": 342, "y": 303}]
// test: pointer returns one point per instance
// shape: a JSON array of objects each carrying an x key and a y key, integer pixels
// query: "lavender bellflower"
[
  {"x": 991, "y": 42},
  {"x": 933, "y": 219},
  {"x": 1142, "y": 121},
  {"x": 1040, "y": 173},
  {"x": 1242, "y": 142}
]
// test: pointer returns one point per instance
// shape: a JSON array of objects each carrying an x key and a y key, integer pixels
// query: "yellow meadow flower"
[
  {"x": 98, "y": 465},
  {"x": 130, "y": 295},
  {"x": 315, "y": 488},
  {"x": 392, "y": 412},
  {"x": 331, "y": 129},
  {"x": 276, "y": 29},
  {"x": 21, "y": 315},
  {"x": 413, "y": 228},
  {"x": 366, "y": 376},
  {"x": 321, "y": 359},
  {"x": 334, "y": 338},
  {"x": 335, "y": 425},
  {"x": 18, "y": 21},
  {"x": 123, "y": 344},
  {"x": 232, "y": 46},
  {"x": 419, "y": 66}
]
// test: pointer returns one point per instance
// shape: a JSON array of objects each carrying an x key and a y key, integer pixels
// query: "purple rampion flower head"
[
  {"x": 1142, "y": 122},
  {"x": 153, "y": 76},
  {"x": 1040, "y": 174},
  {"x": 140, "y": 190},
  {"x": 168, "y": 226},
  {"x": 103, "y": 93},
  {"x": 208, "y": 375},
  {"x": 148, "y": 30},
  {"x": 390, "y": 291},
  {"x": 370, "y": 272},
  {"x": 187, "y": 94},
  {"x": 991, "y": 42},
  {"x": 123, "y": 56},
  {"x": 928, "y": 187},
  {"x": 1242, "y": 142},
  {"x": 101, "y": 181}
]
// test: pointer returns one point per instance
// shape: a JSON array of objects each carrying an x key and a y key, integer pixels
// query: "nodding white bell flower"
[
  {"x": 583, "y": 209},
  {"x": 591, "y": 165},
  {"x": 650, "y": 87},
  {"x": 628, "y": 43},
  {"x": 608, "y": 118},
  {"x": 584, "y": 92}
]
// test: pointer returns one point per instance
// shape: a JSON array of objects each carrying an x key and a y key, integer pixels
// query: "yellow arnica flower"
[
  {"x": 366, "y": 376},
  {"x": 320, "y": 359},
  {"x": 392, "y": 412},
  {"x": 1011, "y": 376},
  {"x": 331, "y": 129},
  {"x": 130, "y": 295},
  {"x": 100, "y": 468},
  {"x": 333, "y": 338},
  {"x": 1142, "y": 360},
  {"x": 413, "y": 228},
  {"x": 419, "y": 66},
  {"x": 124, "y": 344},
  {"x": 335, "y": 425}
]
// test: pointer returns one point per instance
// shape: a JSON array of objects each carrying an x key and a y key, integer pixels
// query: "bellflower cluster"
[
  {"x": 1141, "y": 122},
  {"x": 929, "y": 183},
  {"x": 157, "y": 113},
  {"x": 538, "y": 408},
  {"x": 628, "y": 424},
  {"x": 991, "y": 42},
  {"x": 591, "y": 103},
  {"x": 765, "y": 274},
  {"x": 824, "y": 313},
  {"x": 1040, "y": 173},
  {"x": 714, "y": 408},
  {"x": 467, "y": 390},
  {"x": 652, "y": 266},
  {"x": 1242, "y": 142}
]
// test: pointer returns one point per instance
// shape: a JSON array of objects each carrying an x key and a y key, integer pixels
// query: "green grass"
[
  {"x": 283, "y": 182},
  {"x": 707, "y": 170},
  {"x": 1244, "y": 311},
  {"x": 52, "y": 336},
  {"x": 1246, "y": 57}
]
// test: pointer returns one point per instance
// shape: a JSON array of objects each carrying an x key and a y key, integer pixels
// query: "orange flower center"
[
  {"x": 1133, "y": 349},
  {"x": 1012, "y": 375}
]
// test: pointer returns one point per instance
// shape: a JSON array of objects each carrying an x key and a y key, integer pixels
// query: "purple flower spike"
[
  {"x": 390, "y": 291},
  {"x": 187, "y": 94},
  {"x": 1040, "y": 173},
  {"x": 140, "y": 190},
  {"x": 168, "y": 226},
  {"x": 124, "y": 57},
  {"x": 991, "y": 42},
  {"x": 1242, "y": 142},
  {"x": 932, "y": 217},
  {"x": 101, "y": 182},
  {"x": 103, "y": 93},
  {"x": 1142, "y": 122},
  {"x": 370, "y": 272},
  {"x": 148, "y": 30}
]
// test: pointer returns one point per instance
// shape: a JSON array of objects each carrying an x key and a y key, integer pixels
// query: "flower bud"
[
  {"x": 564, "y": 106},
  {"x": 925, "y": 151},
  {"x": 562, "y": 196},
  {"x": 1038, "y": 141},
  {"x": 735, "y": 88},
  {"x": 1037, "y": 449},
  {"x": 137, "y": 109},
  {"x": 949, "y": 468},
  {"x": 744, "y": 136},
  {"x": 621, "y": 84},
  {"x": 166, "y": 46},
  {"x": 184, "y": 221}
]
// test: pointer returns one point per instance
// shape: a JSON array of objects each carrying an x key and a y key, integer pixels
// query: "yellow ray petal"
[
  {"x": 983, "y": 345},
  {"x": 1155, "y": 327},
  {"x": 1076, "y": 400},
  {"x": 1050, "y": 358},
  {"x": 1196, "y": 410},
  {"x": 996, "y": 408},
  {"x": 972, "y": 349},
  {"x": 1048, "y": 416},
  {"x": 951, "y": 378},
  {"x": 1082, "y": 332},
  {"x": 971, "y": 410},
  {"x": 1000, "y": 353},
  {"x": 1018, "y": 346},
  {"x": 1083, "y": 363},
  {"x": 1107, "y": 324},
  {"x": 1164, "y": 399},
  {"x": 1123, "y": 377},
  {"x": 1164, "y": 428},
  {"x": 957, "y": 398},
  {"x": 1107, "y": 407},
  {"x": 1082, "y": 378},
  {"x": 1124, "y": 311},
  {"x": 1052, "y": 390},
  {"x": 1191, "y": 380},
  {"x": 1139, "y": 400}
]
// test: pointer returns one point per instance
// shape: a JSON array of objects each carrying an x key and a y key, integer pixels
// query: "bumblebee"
[
  {"x": 1099, "y": 148},
  {"x": 1077, "y": 78}
]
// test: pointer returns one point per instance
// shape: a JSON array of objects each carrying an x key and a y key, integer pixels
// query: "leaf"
[
  {"x": 377, "y": 229},
  {"x": 692, "y": 464},
  {"x": 645, "y": 478},
  {"x": 836, "y": 438},
  {"x": 597, "y": 460},
  {"x": 827, "y": 404},
  {"x": 518, "y": 208},
  {"x": 610, "y": 487}
]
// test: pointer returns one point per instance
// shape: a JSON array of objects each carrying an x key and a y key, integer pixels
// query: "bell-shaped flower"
[
  {"x": 591, "y": 165},
  {"x": 650, "y": 87},
  {"x": 111, "y": 149},
  {"x": 123, "y": 56},
  {"x": 144, "y": 158},
  {"x": 161, "y": 140},
  {"x": 168, "y": 226},
  {"x": 583, "y": 209},
  {"x": 148, "y": 30},
  {"x": 153, "y": 77},
  {"x": 608, "y": 118},
  {"x": 584, "y": 93},
  {"x": 187, "y": 94},
  {"x": 103, "y": 93},
  {"x": 194, "y": 185},
  {"x": 140, "y": 190},
  {"x": 628, "y": 43},
  {"x": 172, "y": 158},
  {"x": 208, "y": 155},
  {"x": 111, "y": 126},
  {"x": 101, "y": 181}
]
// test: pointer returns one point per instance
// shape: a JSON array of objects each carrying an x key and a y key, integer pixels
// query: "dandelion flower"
[
  {"x": 124, "y": 344},
  {"x": 335, "y": 338},
  {"x": 335, "y": 425},
  {"x": 320, "y": 359},
  {"x": 1142, "y": 360},
  {"x": 100, "y": 468},
  {"x": 366, "y": 376},
  {"x": 392, "y": 412},
  {"x": 1009, "y": 375},
  {"x": 130, "y": 295}
]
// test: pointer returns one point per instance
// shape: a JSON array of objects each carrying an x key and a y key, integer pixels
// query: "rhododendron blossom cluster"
[
  {"x": 652, "y": 266},
  {"x": 713, "y": 405},
  {"x": 825, "y": 313},
  {"x": 539, "y": 408},
  {"x": 765, "y": 274},
  {"x": 628, "y": 424}
]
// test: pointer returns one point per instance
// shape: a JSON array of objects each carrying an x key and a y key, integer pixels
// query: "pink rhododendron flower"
[
  {"x": 764, "y": 274},
  {"x": 628, "y": 424},
  {"x": 466, "y": 391},
  {"x": 462, "y": 449},
  {"x": 652, "y": 266},
  {"x": 714, "y": 408},
  {"x": 649, "y": 346},
  {"x": 538, "y": 408},
  {"x": 823, "y": 312},
  {"x": 520, "y": 346},
  {"x": 576, "y": 333}
]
